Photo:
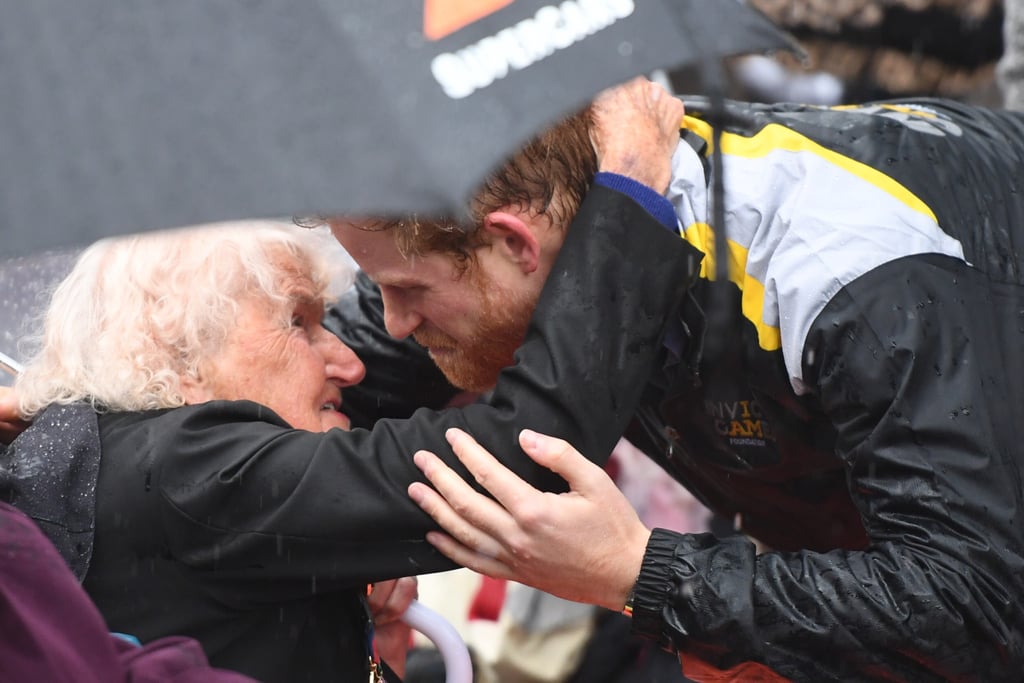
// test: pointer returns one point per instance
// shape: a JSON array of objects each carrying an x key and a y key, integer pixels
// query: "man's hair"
[
  {"x": 138, "y": 314},
  {"x": 548, "y": 177}
]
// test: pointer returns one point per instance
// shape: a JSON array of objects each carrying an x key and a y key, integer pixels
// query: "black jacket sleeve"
[
  {"x": 919, "y": 365},
  {"x": 244, "y": 494}
]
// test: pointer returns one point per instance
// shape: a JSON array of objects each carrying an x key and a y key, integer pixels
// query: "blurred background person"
[{"x": 861, "y": 50}]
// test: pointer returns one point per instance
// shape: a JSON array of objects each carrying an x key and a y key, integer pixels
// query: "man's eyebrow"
[{"x": 400, "y": 281}]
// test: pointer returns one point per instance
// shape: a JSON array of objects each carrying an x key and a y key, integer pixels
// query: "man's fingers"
[
  {"x": 559, "y": 456},
  {"x": 467, "y": 557},
  {"x": 470, "y": 533},
  {"x": 484, "y": 512},
  {"x": 513, "y": 493},
  {"x": 506, "y": 487}
]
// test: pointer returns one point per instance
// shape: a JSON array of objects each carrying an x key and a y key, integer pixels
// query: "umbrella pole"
[
  {"x": 9, "y": 365},
  {"x": 719, "y": 311},
  {"x": 713, "y": 79}
]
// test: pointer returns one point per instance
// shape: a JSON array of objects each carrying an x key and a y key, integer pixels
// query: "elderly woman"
[
  {"x": 225, "y": 319},
  {"x": 189, "y": 453}
]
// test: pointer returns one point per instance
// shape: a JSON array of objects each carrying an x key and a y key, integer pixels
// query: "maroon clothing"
[{"x": 52, "y": 632}]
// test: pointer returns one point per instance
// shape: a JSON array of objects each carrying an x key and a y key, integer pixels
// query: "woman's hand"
[
  {"x": 11, "y": 423},
  {"x": 388, "y": 601},
  {"x": 636, "y": 131}
]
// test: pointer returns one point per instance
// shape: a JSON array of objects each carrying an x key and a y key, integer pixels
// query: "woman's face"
[{"x": 297, "y": 370}]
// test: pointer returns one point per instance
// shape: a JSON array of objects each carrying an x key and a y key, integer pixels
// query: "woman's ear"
[
  {"x": 194, "y": 390},
  {"x": 513, "y": 237}
]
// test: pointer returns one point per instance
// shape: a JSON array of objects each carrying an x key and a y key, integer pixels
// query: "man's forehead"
[
  {"x": 367, "y": 246},
  {"x": 378, "y": 254},
  {"x": 354, "y": 230},
  {"x": 410, "y": 271}
]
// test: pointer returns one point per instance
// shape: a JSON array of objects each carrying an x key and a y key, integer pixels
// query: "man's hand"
[
  {"x": 585, "y": 545},
  {"x": 11, "y": 423},
  {"x": 636, "y": 131},
  {"x": 388, "y": 601}
]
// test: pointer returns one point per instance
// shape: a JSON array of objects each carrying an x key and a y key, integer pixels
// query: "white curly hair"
[{"x": 136, "y": 315}]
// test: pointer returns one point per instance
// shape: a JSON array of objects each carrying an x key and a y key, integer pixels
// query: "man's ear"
[{"x": 514, "y": 238}]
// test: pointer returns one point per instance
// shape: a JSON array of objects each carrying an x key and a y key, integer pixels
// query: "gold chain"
[{"x": 376, "y": 674}]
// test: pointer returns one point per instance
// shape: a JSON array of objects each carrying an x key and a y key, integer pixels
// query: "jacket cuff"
[
  {"x": 655, "y": 204},
  {"x": 652, "y": 588}
]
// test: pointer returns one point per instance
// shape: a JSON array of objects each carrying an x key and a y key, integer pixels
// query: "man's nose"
[{"x": 399, "y": 319}]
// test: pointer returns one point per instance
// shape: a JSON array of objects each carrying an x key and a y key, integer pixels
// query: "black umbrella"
[{"x": 121, "y": 116}]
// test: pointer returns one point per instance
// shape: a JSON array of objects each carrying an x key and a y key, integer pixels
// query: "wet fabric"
[{"x": 49, "y": 472}]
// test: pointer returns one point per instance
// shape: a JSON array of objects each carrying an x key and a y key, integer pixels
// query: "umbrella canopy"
[{"x": 122, "y": 116}]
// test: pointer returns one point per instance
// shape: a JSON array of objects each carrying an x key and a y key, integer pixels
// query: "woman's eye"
[{"x": 306, "y": 315}]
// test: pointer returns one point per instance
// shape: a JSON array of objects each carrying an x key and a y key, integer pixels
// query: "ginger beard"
[{"x": 473, "y": 363}]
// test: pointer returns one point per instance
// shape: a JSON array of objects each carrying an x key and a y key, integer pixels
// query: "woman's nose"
[{"x": 343, "y": 364}]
